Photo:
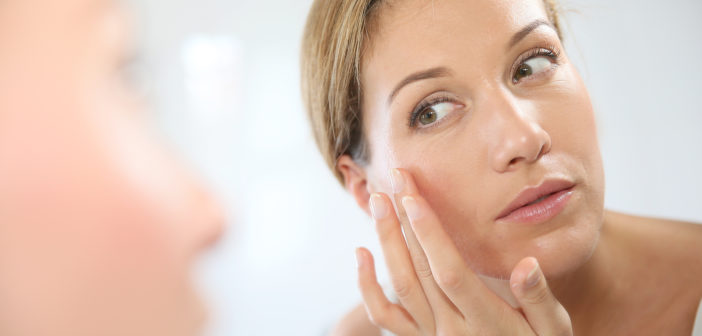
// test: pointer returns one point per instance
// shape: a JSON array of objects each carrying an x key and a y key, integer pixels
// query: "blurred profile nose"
[
  {"x": 211, "y": 223},
  {"x": 518, "y": 137}
]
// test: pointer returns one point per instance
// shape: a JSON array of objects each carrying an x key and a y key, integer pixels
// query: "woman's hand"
[{"x": 438, "y": 293}]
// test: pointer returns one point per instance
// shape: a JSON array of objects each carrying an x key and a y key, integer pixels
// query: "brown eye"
[
  {"x": 428, "y": 116},
  {"x": 531, "y": 67},
  {"x": 524, "y": 70},
  {"x": 435, "y": 113}
]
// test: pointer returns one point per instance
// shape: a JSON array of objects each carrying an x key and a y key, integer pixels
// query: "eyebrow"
[
  {"x": 417, "y": 76},
  {"x": 520, "y": 35},
  {"x": 445, "y": 72}
]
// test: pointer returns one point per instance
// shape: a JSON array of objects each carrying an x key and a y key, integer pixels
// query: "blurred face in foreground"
[{"x": 99, "y": 225}]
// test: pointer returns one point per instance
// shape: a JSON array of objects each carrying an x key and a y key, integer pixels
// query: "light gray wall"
[
  {"x": 223, "y": 78},
  {"x": 639, "y": 59}
]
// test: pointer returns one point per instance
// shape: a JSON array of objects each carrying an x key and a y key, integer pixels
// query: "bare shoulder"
[
  {"x": 662, "y": 261},
  {"x": 669, "y": 231},
  {"x": 673, "y": 244},
  {"x": 355, "y": 323}
]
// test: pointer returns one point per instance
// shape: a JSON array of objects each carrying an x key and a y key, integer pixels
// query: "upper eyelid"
[
  {"x": 534, "y": 52},
  {"x": 539, "y": 38}
]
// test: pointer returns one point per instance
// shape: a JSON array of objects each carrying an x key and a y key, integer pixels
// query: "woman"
[
  {"x": 99, "y": 223},
  {"x": 501, "y": 186}
]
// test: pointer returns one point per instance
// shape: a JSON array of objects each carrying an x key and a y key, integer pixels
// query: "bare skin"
[
  {"x": 469, "y": 130},
  {"x": 100, "y": 224},
  {"x": 656, "y": 290}
]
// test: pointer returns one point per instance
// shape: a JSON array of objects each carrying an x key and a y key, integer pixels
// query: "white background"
[{"x": 223, "y": 79}]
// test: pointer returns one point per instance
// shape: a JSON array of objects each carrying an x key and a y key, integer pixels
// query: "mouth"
[{"x": 538, "y": 204}]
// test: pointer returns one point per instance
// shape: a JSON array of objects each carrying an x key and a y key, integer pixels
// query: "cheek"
[
  {"x": 88, "y": 232},
  {"x": 570, "y": 121},
  {"x": 453, "y": 180},
  {"x": 449, "y": 171},
  {"x": 568, "y": 116}
]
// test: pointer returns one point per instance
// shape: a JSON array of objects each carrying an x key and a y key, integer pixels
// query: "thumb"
[{"x": 545, "y": 314}]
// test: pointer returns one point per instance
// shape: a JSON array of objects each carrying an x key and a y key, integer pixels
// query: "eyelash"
[
  {"x": 551, "y": 52},
  {"x": 423, "y": 106}
]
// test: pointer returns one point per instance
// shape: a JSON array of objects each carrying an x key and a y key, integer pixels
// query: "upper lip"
[{"x": 531, "y": 194}]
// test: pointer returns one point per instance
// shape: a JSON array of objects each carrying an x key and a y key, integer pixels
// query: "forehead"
[{"x": 417, "y": 34}]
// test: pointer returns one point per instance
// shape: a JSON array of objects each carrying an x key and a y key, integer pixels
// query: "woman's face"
[
  {"x": 492, "y": 106},
  {"x": 99, "y": 225}
]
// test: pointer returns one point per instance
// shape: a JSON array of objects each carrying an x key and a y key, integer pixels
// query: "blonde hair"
[{"x": 332, "y": 50}]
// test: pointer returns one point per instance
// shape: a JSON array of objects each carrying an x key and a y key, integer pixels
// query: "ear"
[{"x": 355, "y": 181}]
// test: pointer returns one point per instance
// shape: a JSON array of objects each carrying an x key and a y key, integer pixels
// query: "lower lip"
[{"x": 540, "y": 212}]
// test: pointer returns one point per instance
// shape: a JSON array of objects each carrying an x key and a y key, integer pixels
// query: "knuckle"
[
  {"x": 538, "y": 295},
  {"x": 449, "y": 279},
  {"x": 423, "y": 270},
  {"x": 424, "y": 273},
  {"x": 402, "y": 286}
]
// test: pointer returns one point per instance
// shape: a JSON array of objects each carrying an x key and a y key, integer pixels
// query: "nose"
[
  {"x": 518, "y": 138},
  {"x": 214, "y": 223},
  {"x": 210, "y": 221}
]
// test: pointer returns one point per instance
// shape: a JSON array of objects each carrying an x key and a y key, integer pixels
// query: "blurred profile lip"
[{"x": 538, "y": 203}]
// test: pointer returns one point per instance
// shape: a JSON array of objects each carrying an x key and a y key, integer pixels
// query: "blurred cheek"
[{"x": 98, "y": 219}]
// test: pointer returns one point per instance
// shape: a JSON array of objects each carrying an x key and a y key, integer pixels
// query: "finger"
[
  {"x": 403, "y": 185},
  {"x": 445, "y": 313},
  {"x": 462, "y": 286},
  {"x": 399, "y": 263},
  {"x": 381, "y": 311},
  {"x": 543, "y": 312}
]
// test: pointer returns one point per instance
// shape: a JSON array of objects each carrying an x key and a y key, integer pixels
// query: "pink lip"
[{"x": 556, "y": 194}]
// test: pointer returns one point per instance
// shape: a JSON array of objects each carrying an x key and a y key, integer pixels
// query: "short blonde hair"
[{"x": 332, "y": 50}]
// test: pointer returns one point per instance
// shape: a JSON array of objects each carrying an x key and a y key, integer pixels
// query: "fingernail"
[
  {"x": 412, "y": 208},
  {"x": 397, "y": 180},
  {"x": 533, "y": 277},
  {"x": 378, "y": 207}
]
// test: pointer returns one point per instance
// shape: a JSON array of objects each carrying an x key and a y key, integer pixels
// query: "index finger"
[
  {"x": 442, "y": 308},
  {"x": 462, "y": 286},
  {"x": 397, "y": 258}
]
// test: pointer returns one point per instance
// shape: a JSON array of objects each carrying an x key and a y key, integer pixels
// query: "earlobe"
[{"x": 355, "y": 181}]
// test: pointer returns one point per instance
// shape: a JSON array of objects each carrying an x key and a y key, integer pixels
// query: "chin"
[{"x": 570, "y": 251}]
